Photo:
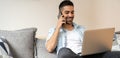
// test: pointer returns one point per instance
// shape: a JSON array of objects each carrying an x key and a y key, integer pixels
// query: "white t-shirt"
[{"x": 73, "y": 41}]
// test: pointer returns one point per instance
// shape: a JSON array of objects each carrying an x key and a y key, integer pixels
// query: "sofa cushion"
[
  {"x": 20, "y": 42},
  {"x": 41, "y": 50}
]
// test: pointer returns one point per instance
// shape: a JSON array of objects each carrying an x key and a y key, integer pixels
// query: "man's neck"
[{"x": 68, "y": 27}]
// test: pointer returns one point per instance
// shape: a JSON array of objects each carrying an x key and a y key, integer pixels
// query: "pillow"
[
  {"x": 116, "y": 42},
  {"x": 20, "y": 42},
  {"x": 4, "y": 49},
  {"x": 117, "y": 36}
]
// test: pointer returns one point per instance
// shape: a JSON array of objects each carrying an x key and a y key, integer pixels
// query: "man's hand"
[
  {"x": 52, "y": 42},
  {"x": 61, "y": 21}
]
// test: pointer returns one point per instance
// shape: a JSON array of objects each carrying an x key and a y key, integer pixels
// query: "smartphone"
[{"x": 59, "y": 15}]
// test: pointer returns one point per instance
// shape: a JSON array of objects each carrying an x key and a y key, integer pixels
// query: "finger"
[
  {"x": 62, "y": 16},
  {"x": 63, "y": 20}
]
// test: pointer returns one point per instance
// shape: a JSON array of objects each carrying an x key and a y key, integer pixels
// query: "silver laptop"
[{"x": 97, "y": 41}]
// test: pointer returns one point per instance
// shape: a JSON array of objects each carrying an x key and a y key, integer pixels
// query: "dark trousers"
[{"x": 67, "y": 53}]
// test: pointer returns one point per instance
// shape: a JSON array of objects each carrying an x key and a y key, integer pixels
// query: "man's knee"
[
  {"x": 66, "y": 50},
  {"x": 64, "y": 53}
]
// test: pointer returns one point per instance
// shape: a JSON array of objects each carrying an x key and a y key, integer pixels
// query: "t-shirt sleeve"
[{"x": 50, "y": 33}]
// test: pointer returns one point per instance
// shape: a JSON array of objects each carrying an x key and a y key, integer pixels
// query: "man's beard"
[{"x": 69, "y": 20}]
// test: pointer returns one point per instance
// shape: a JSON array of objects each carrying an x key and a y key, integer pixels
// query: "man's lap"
[{"x": 67, "y": 53}]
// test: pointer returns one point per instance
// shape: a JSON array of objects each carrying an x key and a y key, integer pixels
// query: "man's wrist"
[{"x": 57, "y": 28}]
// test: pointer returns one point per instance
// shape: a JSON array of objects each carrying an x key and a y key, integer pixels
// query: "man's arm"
[{"x": 52, "y": 42}]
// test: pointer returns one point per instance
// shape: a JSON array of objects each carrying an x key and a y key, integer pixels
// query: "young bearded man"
[{"x": 67, "y": 36}]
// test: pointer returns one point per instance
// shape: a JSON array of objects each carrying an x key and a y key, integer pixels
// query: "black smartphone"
[{"x": 59, "y": 15}]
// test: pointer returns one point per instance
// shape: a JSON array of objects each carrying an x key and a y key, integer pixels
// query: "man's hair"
[{"x": 65, "y": 3}]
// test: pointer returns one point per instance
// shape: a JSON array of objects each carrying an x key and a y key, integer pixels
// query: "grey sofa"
[
  {"x": 23, "y": 44},
  {"x": 42, "y": 52}
]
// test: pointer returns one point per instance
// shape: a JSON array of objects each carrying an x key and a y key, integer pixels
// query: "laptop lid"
[{"x": 97, "y": 41}]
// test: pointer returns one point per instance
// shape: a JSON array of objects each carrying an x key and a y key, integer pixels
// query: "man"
[{"x": 67, "y": 37}]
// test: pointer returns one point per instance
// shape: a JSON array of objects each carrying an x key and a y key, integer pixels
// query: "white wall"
[
  {"x": 18, "y": 14},
  {"x": 107, "y": 14}
]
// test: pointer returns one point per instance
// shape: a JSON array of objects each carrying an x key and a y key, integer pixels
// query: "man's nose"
[{"x": 71, "y": 15}]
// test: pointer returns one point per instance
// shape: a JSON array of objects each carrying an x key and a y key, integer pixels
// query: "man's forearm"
[{"x": 52, "y": 42}]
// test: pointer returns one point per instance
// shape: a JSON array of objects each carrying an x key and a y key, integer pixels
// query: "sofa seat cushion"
[{"x": 41, "y": 50}]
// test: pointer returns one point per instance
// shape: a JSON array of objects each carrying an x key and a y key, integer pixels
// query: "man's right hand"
[{"x": 60, "y": 22}]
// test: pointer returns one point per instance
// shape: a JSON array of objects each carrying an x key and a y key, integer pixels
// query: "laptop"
[{"x": 97, "y": 41}]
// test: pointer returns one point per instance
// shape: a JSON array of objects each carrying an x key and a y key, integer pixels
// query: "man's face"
[{"x": 68, "y": 13}]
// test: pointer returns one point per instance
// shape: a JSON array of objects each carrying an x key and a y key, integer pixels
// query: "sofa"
[{"x": 23, "y": 44}]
